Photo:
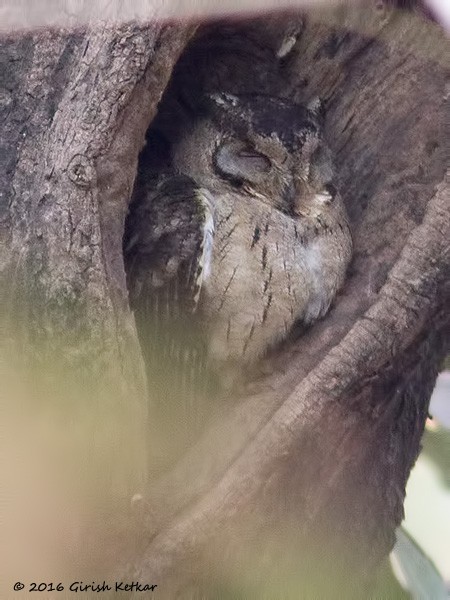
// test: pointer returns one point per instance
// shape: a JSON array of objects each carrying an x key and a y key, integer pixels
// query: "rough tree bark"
[
  {"x": 75, "y": 107},
  {"x": 320, "y": 447}
]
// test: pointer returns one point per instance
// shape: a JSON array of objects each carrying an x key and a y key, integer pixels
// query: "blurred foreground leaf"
[{"x": 415, "y": 571}]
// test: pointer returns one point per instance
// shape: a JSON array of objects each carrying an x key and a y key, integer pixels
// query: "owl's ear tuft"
[{"x": 239, "y": 162}]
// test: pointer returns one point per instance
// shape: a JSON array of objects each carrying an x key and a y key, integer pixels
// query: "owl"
[{"x": 242, "y": 235}]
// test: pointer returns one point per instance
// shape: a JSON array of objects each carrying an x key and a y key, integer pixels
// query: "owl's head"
[{"x": 258, "y": 145}]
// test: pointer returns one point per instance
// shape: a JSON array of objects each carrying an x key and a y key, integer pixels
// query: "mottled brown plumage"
[
  {"x": 282, "y": 242},
  {"x": 243, "y": 234}
]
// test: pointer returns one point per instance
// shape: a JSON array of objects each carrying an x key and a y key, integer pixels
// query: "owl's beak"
[
  {"x": 288, "y": 198},
  {"x": 296, "y": 198}
]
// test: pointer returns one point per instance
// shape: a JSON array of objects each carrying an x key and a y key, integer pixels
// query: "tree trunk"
[
  {"x": 318, "y": 449},
  {"x": 75, "y": 110}
]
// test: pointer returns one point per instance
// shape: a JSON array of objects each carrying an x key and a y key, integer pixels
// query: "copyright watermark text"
[{"x": 81, "y": 586}]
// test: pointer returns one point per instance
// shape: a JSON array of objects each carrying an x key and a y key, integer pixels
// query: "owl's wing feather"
[{"x": 168, "y": 256}]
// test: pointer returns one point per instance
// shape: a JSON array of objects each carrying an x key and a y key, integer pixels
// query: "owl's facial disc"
[{"x": 261, "y": 171}]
